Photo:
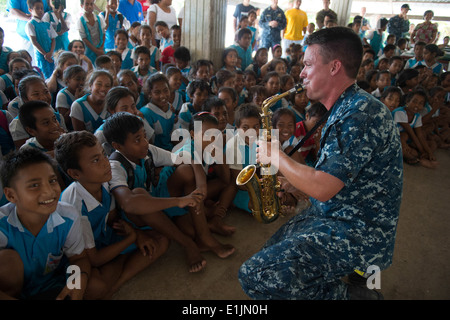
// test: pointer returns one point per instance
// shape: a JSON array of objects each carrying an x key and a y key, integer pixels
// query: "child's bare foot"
[
  {"x": 221, "y": 250},
  {"x": 428, "y": 164},
  {"x": 217, "y": 225},
  {"x": 195, "y": 260}
]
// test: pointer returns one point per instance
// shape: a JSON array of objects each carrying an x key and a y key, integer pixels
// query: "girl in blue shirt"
[{"x": 89, "y": 111}]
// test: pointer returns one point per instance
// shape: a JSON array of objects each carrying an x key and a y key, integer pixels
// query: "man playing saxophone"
[{"x": 355, "y": 188}]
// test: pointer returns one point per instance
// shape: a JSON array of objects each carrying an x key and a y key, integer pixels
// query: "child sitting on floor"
[
  {"x": 56, "y": 225},
  {"x": 116, "y": 257},
  {"x": 145, "y": 206},
  {"x": 414, "y": 145}
]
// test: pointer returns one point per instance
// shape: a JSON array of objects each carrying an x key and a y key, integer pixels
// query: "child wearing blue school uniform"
[
  {"x": 142, "y": 69},
  {"x": 125, "y": 133},
  {"x": 198, "y": 91},
  {"x": 39, "y": 251},
  {"x": 90, "y": 195},
  {"x": 122, "y": 99},
  {"x": 121, "y": 46},
  {"x": 43, "y": 37},
  {"x": 89, "y": 111},
  {"x": 175, "y": 80},
  {"x": 60, "y": 21},
  {"x": 83, "y": 111},
  {"x": 40, "y": 121},
  {"x": 241, "y": 151},
  {"x": 158, "y": 112},
  {"x": 114, "y": 21},
  {"x": 244, "y": 48},
  {"x": 90, "y": 27},
  {"x": 409, "y": 122},
  {"x": 37, "y": 85}
]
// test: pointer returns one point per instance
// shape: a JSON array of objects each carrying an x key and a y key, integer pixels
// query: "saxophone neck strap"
[{"x": 310, "y": 133}]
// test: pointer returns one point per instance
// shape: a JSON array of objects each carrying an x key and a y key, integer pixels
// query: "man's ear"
[
  {"x": 10, "y": 194},
  {"x": 336, "y": 65}
]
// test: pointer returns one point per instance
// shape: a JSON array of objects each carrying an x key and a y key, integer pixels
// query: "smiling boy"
[{"x": 38, "y": 230}]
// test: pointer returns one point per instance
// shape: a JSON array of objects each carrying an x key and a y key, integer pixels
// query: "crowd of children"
[{"x": 88, "y": 149}]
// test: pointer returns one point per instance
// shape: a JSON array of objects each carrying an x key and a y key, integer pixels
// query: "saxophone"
[{"x": 265, "y": 203}]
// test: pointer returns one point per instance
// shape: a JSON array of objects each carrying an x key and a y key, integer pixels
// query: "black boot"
[{"x": 358, "y": 292}]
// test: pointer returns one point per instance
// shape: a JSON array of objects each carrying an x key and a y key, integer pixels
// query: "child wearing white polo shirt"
[
  {"x": 82, "y": 157},
  {"x": 38, "y": 233}
]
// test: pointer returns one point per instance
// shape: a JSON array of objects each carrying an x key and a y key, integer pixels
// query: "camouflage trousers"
[{"x": 297, "y": 263}]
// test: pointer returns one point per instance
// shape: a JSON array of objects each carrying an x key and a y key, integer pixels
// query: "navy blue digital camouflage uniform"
[
  {"x": 271, "y": 36},
  {"x": 306, "y": 258}
]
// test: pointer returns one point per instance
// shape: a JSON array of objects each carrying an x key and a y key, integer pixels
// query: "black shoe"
[
  {"x": 357, "y": 279},
  {"x": 357, "y": 292}
]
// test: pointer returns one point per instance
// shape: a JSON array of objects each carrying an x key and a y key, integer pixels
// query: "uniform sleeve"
[
  {"x": 46, "y": 17},
  {"x": 74, "y": 242},
  {"x": 29, "y": 29},
  {"x": 68, "y": 20},
  {"x": 88, "y": 235},
  {"x": 52, "y": 32},
  {"x": 61, "y": 101},
  {"x": 233, "y": 155},
  {"x": 17, "y": 130},
  {"x": 282, "y": 22},
  {"x": 81, "y": 30},
  {"x": 119, "y": 176},
  {"x": 400, "y": 117},
  {"x": 76, "y": 112},
  {"x": 161, "y": 157}
]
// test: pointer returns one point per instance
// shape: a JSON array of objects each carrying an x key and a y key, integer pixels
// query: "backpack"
[
  {"x": 149, "y": 168},
  {"x": 119, "y": 15}
]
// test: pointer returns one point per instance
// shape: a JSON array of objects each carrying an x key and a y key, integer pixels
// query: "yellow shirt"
[{"x": 296, "y": 21}]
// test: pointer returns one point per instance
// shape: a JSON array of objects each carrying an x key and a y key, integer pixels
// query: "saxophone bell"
[{"x": 265, "y": 204}]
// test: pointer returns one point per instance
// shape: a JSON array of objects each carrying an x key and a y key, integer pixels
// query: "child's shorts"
[
  {"x": 161, "y": 191},
  {"x": 241, "y": 200}
]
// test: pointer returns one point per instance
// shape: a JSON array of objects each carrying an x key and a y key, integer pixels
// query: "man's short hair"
[{"x": 339, "y": 43}]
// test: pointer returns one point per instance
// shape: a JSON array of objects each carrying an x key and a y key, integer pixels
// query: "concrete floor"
[{"x": 420, "y": 270}]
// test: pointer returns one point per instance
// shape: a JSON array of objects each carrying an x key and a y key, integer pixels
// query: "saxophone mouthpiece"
[{"x": 297, "y": 88}]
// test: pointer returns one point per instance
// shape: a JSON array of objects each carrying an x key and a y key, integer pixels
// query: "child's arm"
[
  {"x": 52, "y": 82},
  {"x": 49, "y": 55},
  {"x": 106, "y": 254},
  {"x": 78, "y": 125},
  {"x": 141, "y": 203},
  {"x": 412, "y": 135},
  {"x": 37, "y": 46},
  {"x": 92, "y": 47},
  {"x": 64, "y": 27},
  {"x": 82, "y": 261}
]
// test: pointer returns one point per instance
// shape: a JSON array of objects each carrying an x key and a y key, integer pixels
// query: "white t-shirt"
[{"x": 169, "y": 18}]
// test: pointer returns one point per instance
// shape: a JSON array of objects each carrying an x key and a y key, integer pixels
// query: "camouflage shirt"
[{"x": 360, "y": 145}]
